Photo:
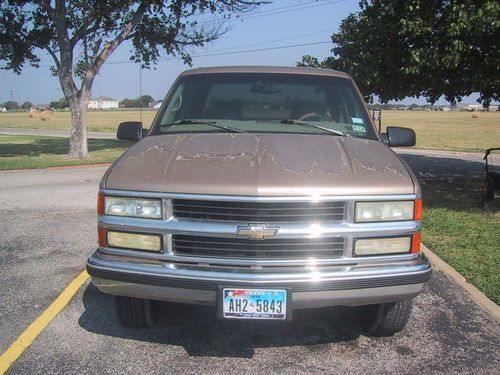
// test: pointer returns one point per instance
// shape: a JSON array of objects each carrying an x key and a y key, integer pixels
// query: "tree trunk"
[{"x": 78, "y": 139}]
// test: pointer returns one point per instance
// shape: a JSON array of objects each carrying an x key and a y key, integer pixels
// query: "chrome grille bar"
[
  {"x": 303, "y": 248},
  {"x": 259, "y": 211}
]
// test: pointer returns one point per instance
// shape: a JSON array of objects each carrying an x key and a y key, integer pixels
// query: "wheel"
[
  {"x": 385, "y": 319},
  {"x": 134, "y": 312}
]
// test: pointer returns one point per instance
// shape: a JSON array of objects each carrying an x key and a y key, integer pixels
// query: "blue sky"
[{"x": 286, "y": 22}]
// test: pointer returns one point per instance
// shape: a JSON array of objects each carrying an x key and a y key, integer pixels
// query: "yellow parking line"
[{"x": 30, "y": 334}]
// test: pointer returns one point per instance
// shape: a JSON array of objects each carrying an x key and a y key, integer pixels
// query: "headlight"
[
  {"x": 367, "y": 212},
  {"x": 381, "y": 246},
  {"x": 134, "y": 241},
  {"x": 133, "y": 207}
]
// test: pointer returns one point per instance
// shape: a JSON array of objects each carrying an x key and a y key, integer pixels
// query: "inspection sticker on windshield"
[
  {"x": 254, "y": 303},
  {"x": 357, "y": 120},
  {"x": 358, "y": 128}
]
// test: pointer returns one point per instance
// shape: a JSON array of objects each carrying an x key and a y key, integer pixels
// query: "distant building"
[
  {"x": 476, "y": 107},
  {"x": 3, "y": 109},
  {"x": 103, "y": 102},
  {"x": 156, "y": 104}
]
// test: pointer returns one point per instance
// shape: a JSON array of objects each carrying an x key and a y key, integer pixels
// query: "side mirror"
[
  {"x": 399, "y": 137},
  {"x": 130, "y": 131}
]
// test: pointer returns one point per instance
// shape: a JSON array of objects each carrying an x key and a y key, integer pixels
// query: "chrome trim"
[
  {"x": 101, "y": 261},
  {"x": 248, "y": 198},
  {"x": 351, "y": 286},
  {"x": 168, "y": 256},
  {"x": 286, "y": 230}
]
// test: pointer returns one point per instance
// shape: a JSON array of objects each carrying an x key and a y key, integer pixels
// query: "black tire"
[
  {"x": 387, "y": 318},
  {"x": 134, "y": 312}
]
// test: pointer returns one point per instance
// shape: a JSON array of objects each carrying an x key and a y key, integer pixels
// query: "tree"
[
  {"x": 11, "y": 105},
  {"x": 27, "y": 106},
  {"x": 395, "y": 49},
  {"x": 60, "y": 104},
  {"x": 145, "y": 100},
  {"x": 141, "y": 102},
  {"x": 81, "y": 35}
]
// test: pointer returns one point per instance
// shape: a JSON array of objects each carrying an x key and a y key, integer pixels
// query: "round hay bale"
[
  {"x": 475, "y": 115},
  {"x": 46, "y": 115}
]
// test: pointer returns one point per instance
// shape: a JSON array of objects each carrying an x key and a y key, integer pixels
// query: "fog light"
[
  {"x": 134, "y": 241},
  {"x": 381, "y": 246}
]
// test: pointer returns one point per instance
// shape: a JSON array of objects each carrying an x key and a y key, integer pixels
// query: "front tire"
[
  {"x": 387, "y": 318},
  {"x": 134, "y": 312}
]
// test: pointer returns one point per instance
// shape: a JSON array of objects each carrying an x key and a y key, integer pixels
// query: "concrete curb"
[
  {"x": 476, "y": 295},
  {"x": 79, "y": 166},
  {"x": 56, "y": 168},
  {"x": 428, "y": 151}
]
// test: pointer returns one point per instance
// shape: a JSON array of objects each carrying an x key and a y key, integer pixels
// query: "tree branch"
[
  {"x": 54, "y": 56},
  {"x": 82, "y": 31},
  {"x": 50, "y": 11},
  {"x": 99, "y": 59}
]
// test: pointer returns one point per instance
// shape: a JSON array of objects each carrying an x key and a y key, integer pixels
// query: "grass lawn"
[
  {"x": 25, "y": 152},
  {"x": 462, "y": 234},
  {"x": 457, "y": 131},
  {"x": 435, "y": 130}
]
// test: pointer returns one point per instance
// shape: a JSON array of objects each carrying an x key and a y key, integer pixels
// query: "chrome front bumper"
[{"x": 348, "y": 285}]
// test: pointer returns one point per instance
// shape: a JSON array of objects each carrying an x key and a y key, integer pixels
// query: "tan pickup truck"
[{"x": 260, "y": 190}]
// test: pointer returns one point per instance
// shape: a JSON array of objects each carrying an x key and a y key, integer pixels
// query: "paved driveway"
[{"x": 47, "y": 228}]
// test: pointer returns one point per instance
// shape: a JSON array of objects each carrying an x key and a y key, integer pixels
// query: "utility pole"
[{"x": 11, "y": 95}]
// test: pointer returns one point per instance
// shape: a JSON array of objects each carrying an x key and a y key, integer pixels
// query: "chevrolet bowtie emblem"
[{"x": 256, "y": 232}]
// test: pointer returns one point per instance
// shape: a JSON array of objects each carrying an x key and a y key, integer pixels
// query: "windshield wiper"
[
  {"x": 209, "y": 123},
  {"x": 298, "y": 122}
]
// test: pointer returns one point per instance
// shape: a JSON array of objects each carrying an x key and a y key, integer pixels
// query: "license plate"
[{"x": 254, "y": 303}]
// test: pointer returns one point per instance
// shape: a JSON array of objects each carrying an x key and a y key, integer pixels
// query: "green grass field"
[
  {"x": 464, "y": 235},
  {"x": 97, "y": 121},
  {"x": 30, "y": 152},
  {"x": 457, "y": 131}
]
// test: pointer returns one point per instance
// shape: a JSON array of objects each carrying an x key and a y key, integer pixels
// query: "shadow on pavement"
[
  {"x": 449, "y": 182},
  {"x": 197, "y": 329}
]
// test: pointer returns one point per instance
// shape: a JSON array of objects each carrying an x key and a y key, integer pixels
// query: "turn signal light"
[
  {"x": 415, "y": 242},
  {"x": 100, "y": 204},
  {"x": 103, "y": 237},
  {"x": 419, "y": 210}
]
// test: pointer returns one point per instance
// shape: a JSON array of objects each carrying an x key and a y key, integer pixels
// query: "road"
[{"x": 47, "y": 226}]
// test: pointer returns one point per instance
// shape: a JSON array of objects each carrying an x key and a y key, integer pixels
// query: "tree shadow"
[
  {"x": 197, "y": 329},
  {"x": 57, "y": 146},
  {"x": 449, "y": 182}
]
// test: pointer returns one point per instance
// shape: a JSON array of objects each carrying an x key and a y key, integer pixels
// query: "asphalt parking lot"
[{"x": 47, "y": 227}]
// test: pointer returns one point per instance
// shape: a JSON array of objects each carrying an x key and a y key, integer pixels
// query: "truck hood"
[{"x": 260, "y": 164}]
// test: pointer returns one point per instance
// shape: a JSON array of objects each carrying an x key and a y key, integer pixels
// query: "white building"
[
  {"x": 156, "y": 104},
  {"x": 103, "y": 102}
]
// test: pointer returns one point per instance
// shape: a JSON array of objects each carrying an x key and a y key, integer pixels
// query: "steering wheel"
[{"x": 314, "y": 114}]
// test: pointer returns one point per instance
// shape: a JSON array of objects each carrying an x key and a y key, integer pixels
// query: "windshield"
[{"x": 265, "y": 103}]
